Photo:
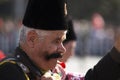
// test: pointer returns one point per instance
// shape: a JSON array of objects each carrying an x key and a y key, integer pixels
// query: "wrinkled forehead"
[
  {"x": 53, "y": 32},
  {"x": 58, "y": 33},
  {"x": 62, "y": 32}
]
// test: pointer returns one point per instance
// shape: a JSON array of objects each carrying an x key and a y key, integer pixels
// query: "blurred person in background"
[
  {"x": 99, "y": 42},
  {"x": 8, "y": 37},
  {"x": 95, "y": 43},
  {"x": 70, "y": 41},
  {"x": 11, "y": 36}
]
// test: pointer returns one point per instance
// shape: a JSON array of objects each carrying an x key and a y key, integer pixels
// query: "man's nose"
[{"x": 61, "y": 48}]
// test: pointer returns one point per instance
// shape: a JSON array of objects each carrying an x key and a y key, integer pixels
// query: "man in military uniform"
[{"x": 40, "y": 45}]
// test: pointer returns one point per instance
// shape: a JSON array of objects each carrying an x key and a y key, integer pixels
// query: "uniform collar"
[{"x": 21, "y": 56}]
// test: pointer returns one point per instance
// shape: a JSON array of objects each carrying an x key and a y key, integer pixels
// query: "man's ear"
[{"x": 31, "y": 37}]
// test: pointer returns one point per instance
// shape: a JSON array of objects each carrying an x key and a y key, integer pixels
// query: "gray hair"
[{"x": 24, "y": 30}]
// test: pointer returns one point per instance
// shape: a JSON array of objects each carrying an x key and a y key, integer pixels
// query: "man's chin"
[{"x": 53, "y": 62}]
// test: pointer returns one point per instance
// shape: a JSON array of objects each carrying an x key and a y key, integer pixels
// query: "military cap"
[{"x": 46, "y": 15}]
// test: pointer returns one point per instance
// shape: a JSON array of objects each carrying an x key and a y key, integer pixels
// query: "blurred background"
[{"x": 95, "y": 23}]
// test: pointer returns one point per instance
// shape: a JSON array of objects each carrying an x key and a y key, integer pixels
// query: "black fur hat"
[{"x": 46, "y": 15}]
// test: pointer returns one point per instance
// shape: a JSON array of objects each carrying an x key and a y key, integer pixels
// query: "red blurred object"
[
  {"x": 62, "y": 64},
  {"x": 2, "y": 55}
]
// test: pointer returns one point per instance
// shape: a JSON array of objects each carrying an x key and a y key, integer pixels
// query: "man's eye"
[{"x": 58, "y": 41}]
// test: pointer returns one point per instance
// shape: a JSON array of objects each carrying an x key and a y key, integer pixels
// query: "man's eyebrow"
[{"x": 58, "y": 38}]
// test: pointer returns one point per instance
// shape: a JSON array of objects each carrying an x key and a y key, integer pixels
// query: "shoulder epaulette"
[
  {"x": 11, "y": 60},
  {"x": 20, "y": 64}
]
